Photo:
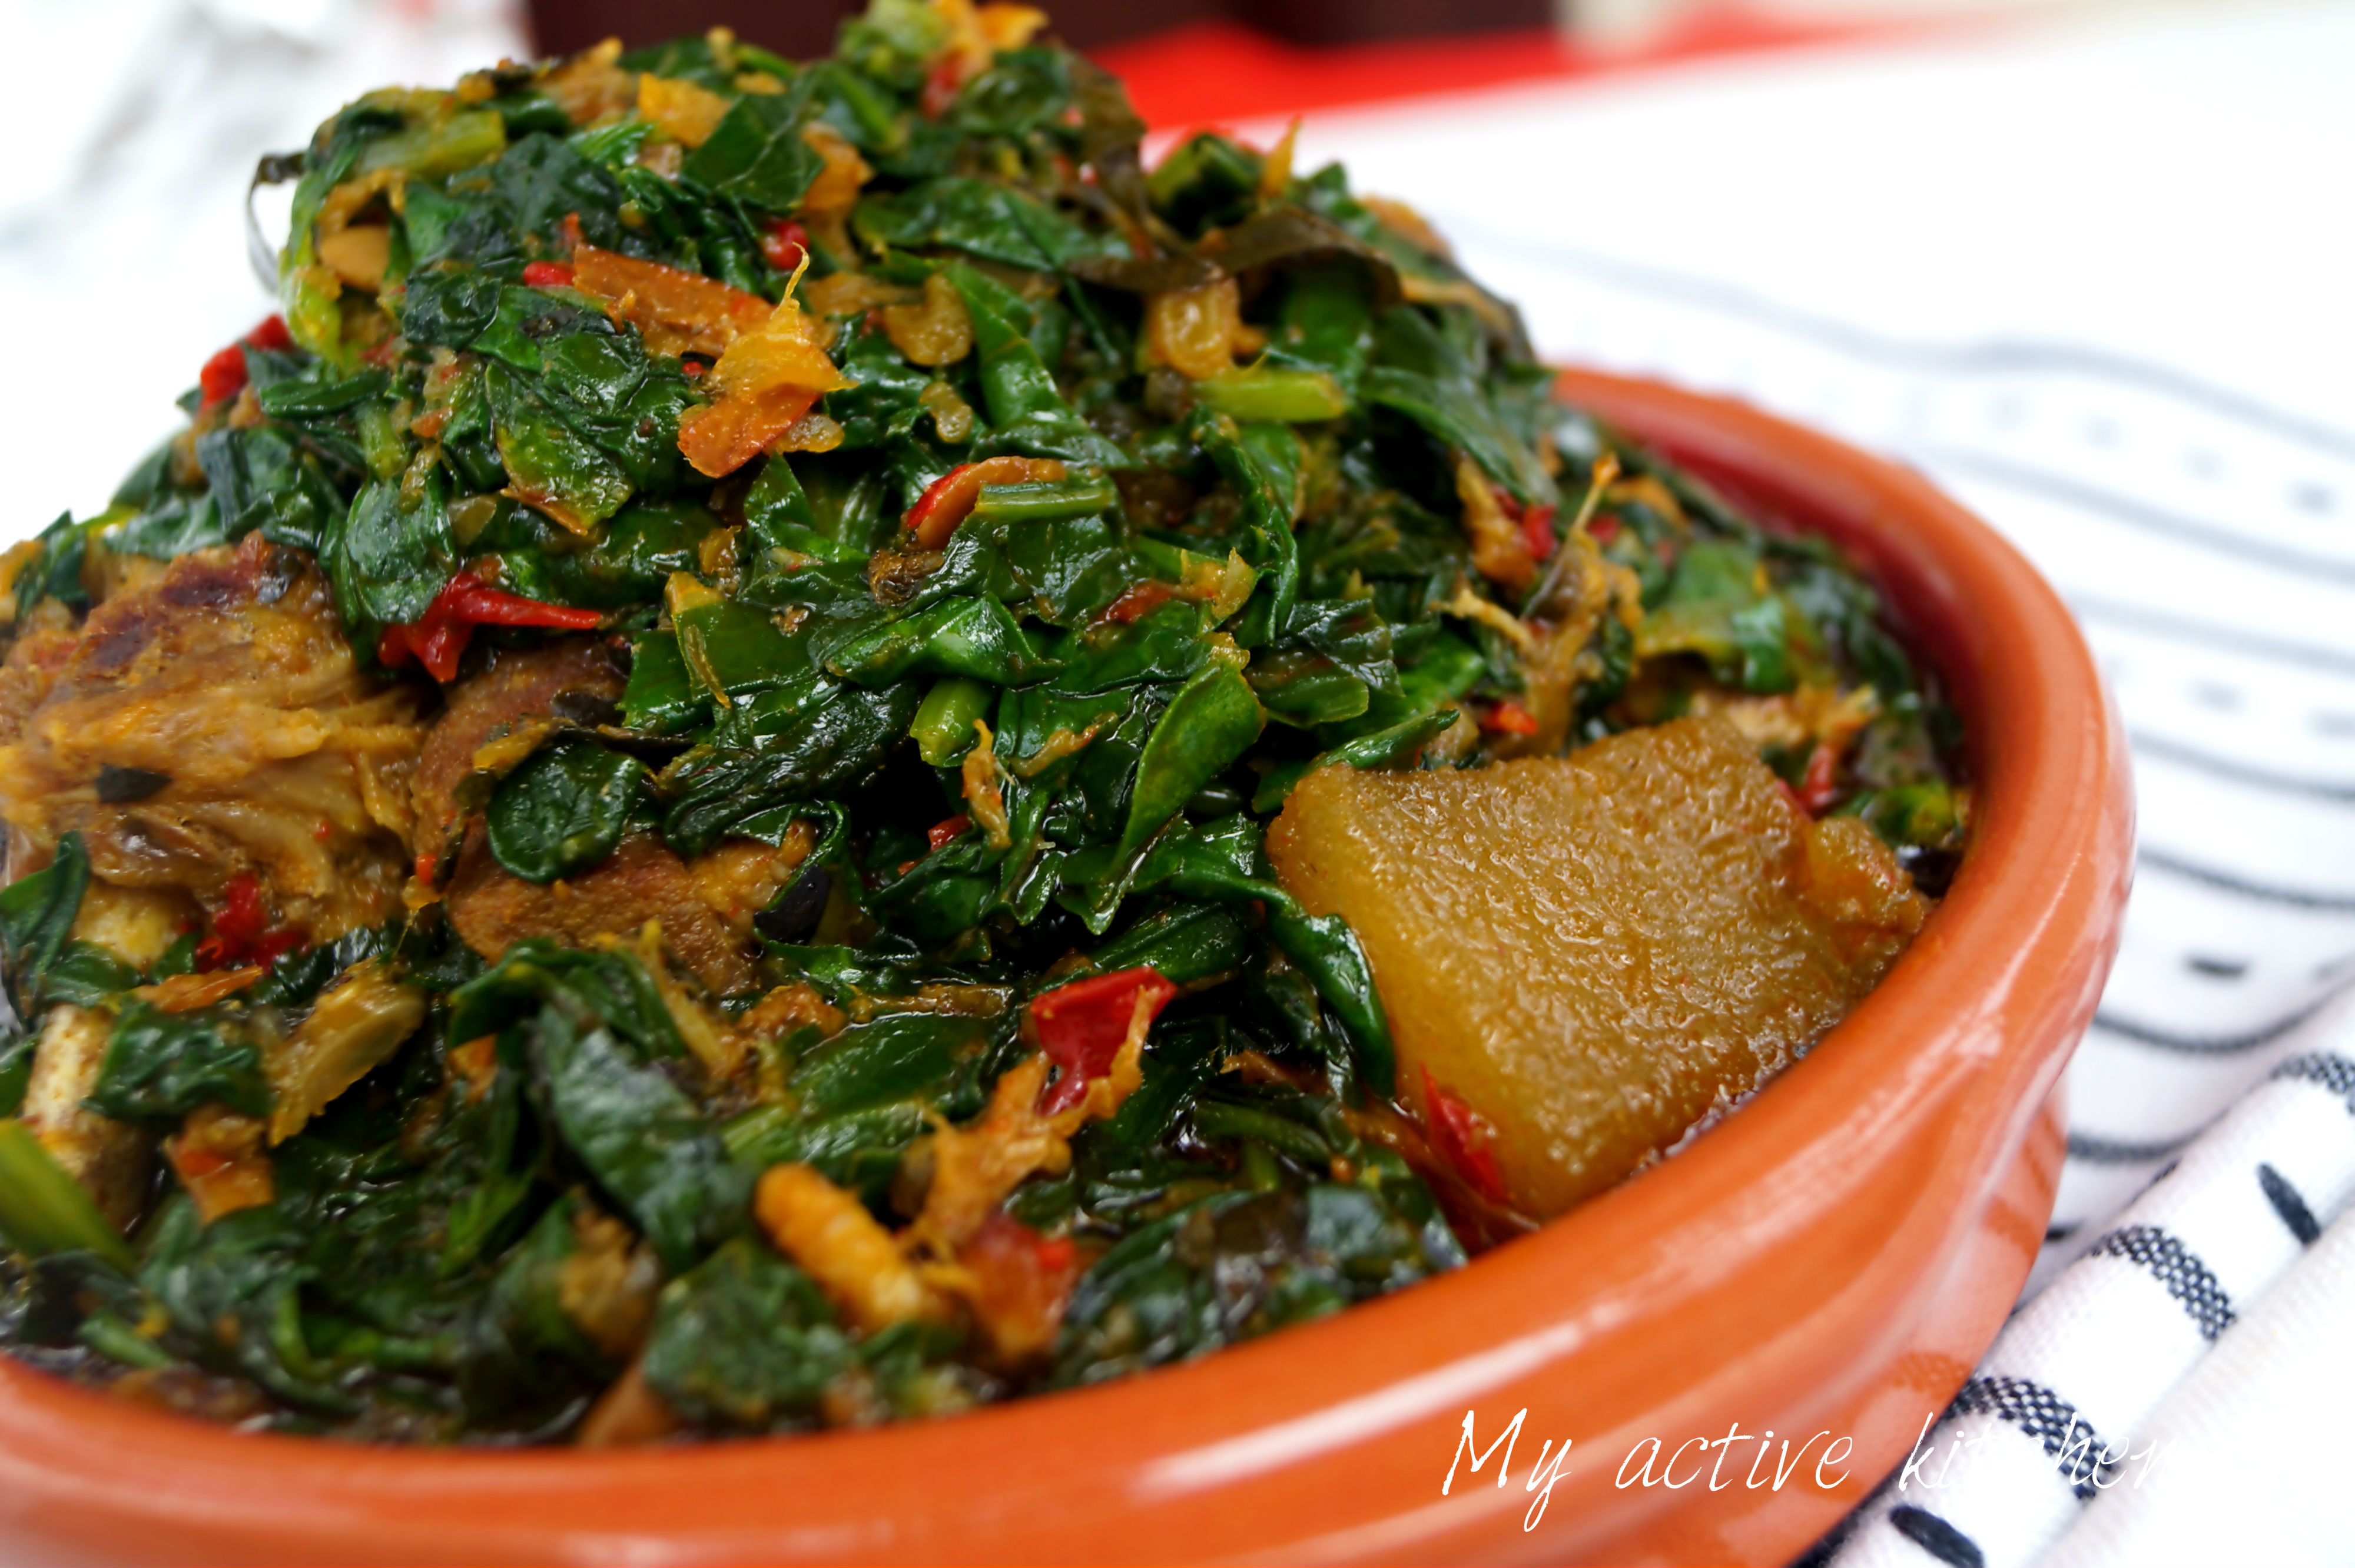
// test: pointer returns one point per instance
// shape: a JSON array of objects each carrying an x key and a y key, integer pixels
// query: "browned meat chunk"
[
  {"x": 209, "y": 726},
  {"x": 493, "y": 908},
  {"x": 520, "y": 685}
]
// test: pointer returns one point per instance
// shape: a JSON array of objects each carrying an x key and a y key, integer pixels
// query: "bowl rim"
[{"x": 1783, "y": 1259}]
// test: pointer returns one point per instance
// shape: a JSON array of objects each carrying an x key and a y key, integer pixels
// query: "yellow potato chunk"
[{"x": 1595, "y": 953}]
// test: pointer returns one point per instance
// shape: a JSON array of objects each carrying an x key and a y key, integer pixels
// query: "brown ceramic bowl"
[{"x": 1829, "y": 1260}]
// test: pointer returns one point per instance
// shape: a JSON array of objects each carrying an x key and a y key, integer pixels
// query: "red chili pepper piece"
[
  {"x": 1820, "y": 786},
  {"x": 691, "y": 368},
  {"x": 243, "y": 916},
  {"x": 547, "y": 275},
  {"x": 241, "y": 929},
  {"x": 1508, "y": 717},
  {"x": 1082, "y": 1026},
  {"x": 271, "y": 334},
  {"x": 1461, "y": 1136},
  {"x": 1537, "y": 530},
  {"x": 1604, "y": 530},
  {"x": 942, "y": 87},
  {"x": 949, "y": 499},
  {"x": 223, "y": 376},
  {"x": 1141, "y": 600},
  {"x": 1021, "y": 1284},
  {"x": 473, "y": 600},
  {"x": 438, "y": 639},
  {"x": 925, "y": 517},
  {"x": 784, "y": 243},
  {"x": 945, "y": 832}
]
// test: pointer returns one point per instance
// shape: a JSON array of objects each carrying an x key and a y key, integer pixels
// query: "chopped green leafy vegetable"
[{"x": 656, "y": 819}]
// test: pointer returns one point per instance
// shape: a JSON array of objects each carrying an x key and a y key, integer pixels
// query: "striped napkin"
[{"x": 2067, "y": 1407}]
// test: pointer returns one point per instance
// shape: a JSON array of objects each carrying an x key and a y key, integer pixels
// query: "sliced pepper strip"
[
  {"x": 678, "y": 312},
  {"x": 1081, "y": 1026},
  {"x": 1460, "y": 1138},
  {"x": 949, "y": 499},
  {"x": 438, "y": 639}
]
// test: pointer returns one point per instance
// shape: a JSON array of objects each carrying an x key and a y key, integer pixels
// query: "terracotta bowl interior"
[{"x": 1832, "y": 1258}]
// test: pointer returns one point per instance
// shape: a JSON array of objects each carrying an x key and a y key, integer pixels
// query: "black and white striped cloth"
[
  {"x": 2061, "y": 1410},
  {"x": 2156, "y": 1378}
]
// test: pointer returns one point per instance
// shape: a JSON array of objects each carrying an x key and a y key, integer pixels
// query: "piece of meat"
[
  {"x": 641, "y": 880},
  {"x": 211, "y": 726},
  {"x": 739, "y": 877},
  {"x": 218, "y": 1159},
  {"x": 136, "y": 924},
  {"x": 519, "y": 686},
  {"x": 112, "y": 1159},
  {"x": 356, "y": 1024},
  {"x": 1584, "y": 958},
  {"x": 41, "y": 649}
]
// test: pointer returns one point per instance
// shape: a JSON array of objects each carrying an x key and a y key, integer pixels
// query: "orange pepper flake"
[
  {"x": 678, "y": 312},
  {"x": 1141, "y": 600},
  {"x": 835, "y": 191},
  {"x": 186, "y": 993},
  {"x": 1508, "y": 717},
  {"x": 766, "y": 379},
  {"x": 682, "y": 111},
  {"x": 1820, "y": 786}
]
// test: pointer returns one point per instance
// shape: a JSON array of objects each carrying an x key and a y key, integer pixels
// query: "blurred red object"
[
  {"x": 1191, "y": 62},
  {"x": 1217, "y": 72},
  {"x": 798, "y": 31}
]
